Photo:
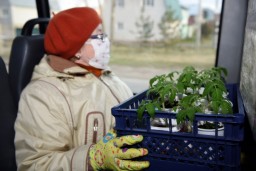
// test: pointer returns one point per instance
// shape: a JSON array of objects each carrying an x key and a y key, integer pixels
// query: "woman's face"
[{"x": 87, "y": 52}]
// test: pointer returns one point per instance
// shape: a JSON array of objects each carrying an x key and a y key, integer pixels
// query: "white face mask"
[{"x": 101, "y": 50}]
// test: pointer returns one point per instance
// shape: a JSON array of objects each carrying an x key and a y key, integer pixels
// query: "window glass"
[
  {"x": 148, "y": 37},
  {"x": 168, "y": 36},
  {"x": 13, "y": 15}
]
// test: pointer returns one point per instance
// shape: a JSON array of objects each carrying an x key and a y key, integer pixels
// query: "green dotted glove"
[{"x": 108, "y": 154}]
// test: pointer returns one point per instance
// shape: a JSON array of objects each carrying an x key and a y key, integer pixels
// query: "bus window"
[
  {"x": 152, "y": 37},
  {"x": 149, "y": 37}
]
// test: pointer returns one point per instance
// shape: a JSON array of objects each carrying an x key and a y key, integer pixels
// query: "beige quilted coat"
[{"x": 61, "y": 114}]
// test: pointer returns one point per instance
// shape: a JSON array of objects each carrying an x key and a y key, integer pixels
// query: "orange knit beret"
[{"x": 68, "y": 30}]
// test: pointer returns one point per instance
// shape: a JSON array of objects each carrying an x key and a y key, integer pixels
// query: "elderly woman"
[{"x": 65, "y": 110}]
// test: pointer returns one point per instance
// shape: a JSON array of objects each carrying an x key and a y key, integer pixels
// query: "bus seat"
[
  {"x": 7, "y": 119},
  {"x": 29, "y": 26},
  {"x": 27, "y": 51}
]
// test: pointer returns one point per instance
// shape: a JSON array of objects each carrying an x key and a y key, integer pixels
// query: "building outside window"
[
  {"x": 151, "y": 51},
  {"x": 120, "y": 26},
  {"x": 120, "y": 3},
  {"x": 148, "y": 2}
]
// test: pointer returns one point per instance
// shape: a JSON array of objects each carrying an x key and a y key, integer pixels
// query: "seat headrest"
[{"x": 27, "y": 29}]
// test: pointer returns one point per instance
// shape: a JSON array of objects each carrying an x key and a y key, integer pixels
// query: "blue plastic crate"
[{"x": 173, "y": 150}]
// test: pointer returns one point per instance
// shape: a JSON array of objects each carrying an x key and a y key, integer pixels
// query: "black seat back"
[
  {"x": 7, "y": 119},
  {"x": 27, "y": 51}
]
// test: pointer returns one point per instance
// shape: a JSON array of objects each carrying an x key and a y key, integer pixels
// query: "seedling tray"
[{"x": 170, "y": 149}]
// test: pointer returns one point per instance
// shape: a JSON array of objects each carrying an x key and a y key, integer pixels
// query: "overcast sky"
[
  {"x": 64, "y": 4},
  {"x": 94, "y": 3},
  {"x": 212, "y": 4}
]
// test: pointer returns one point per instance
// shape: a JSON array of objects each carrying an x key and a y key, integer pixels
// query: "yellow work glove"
[{"x": 107, "y": 154}]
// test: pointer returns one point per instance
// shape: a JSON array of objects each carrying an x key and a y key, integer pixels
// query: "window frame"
[{"x": 230, "y": 48}]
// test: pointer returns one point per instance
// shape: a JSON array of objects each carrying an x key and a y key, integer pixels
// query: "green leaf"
[
  {"x": 181, "y": 116},
  {"x": 172, "y": 95},
  {"x": 190, "y": 113},
  {"x": 226, "y": 107},
  {"x": 221, "y": 70},
  {"x": 157, "y": 106},
  {"x": 215, "y": 105},
  {"x": 172, "y": 74},
  {"x": 140, "y": 112},
  {"x": 217, "y": 94},
  {"x": 151, "y": 109},
  {"x": 207, "y": 89},
  {"x": 180, "y": 87}
]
